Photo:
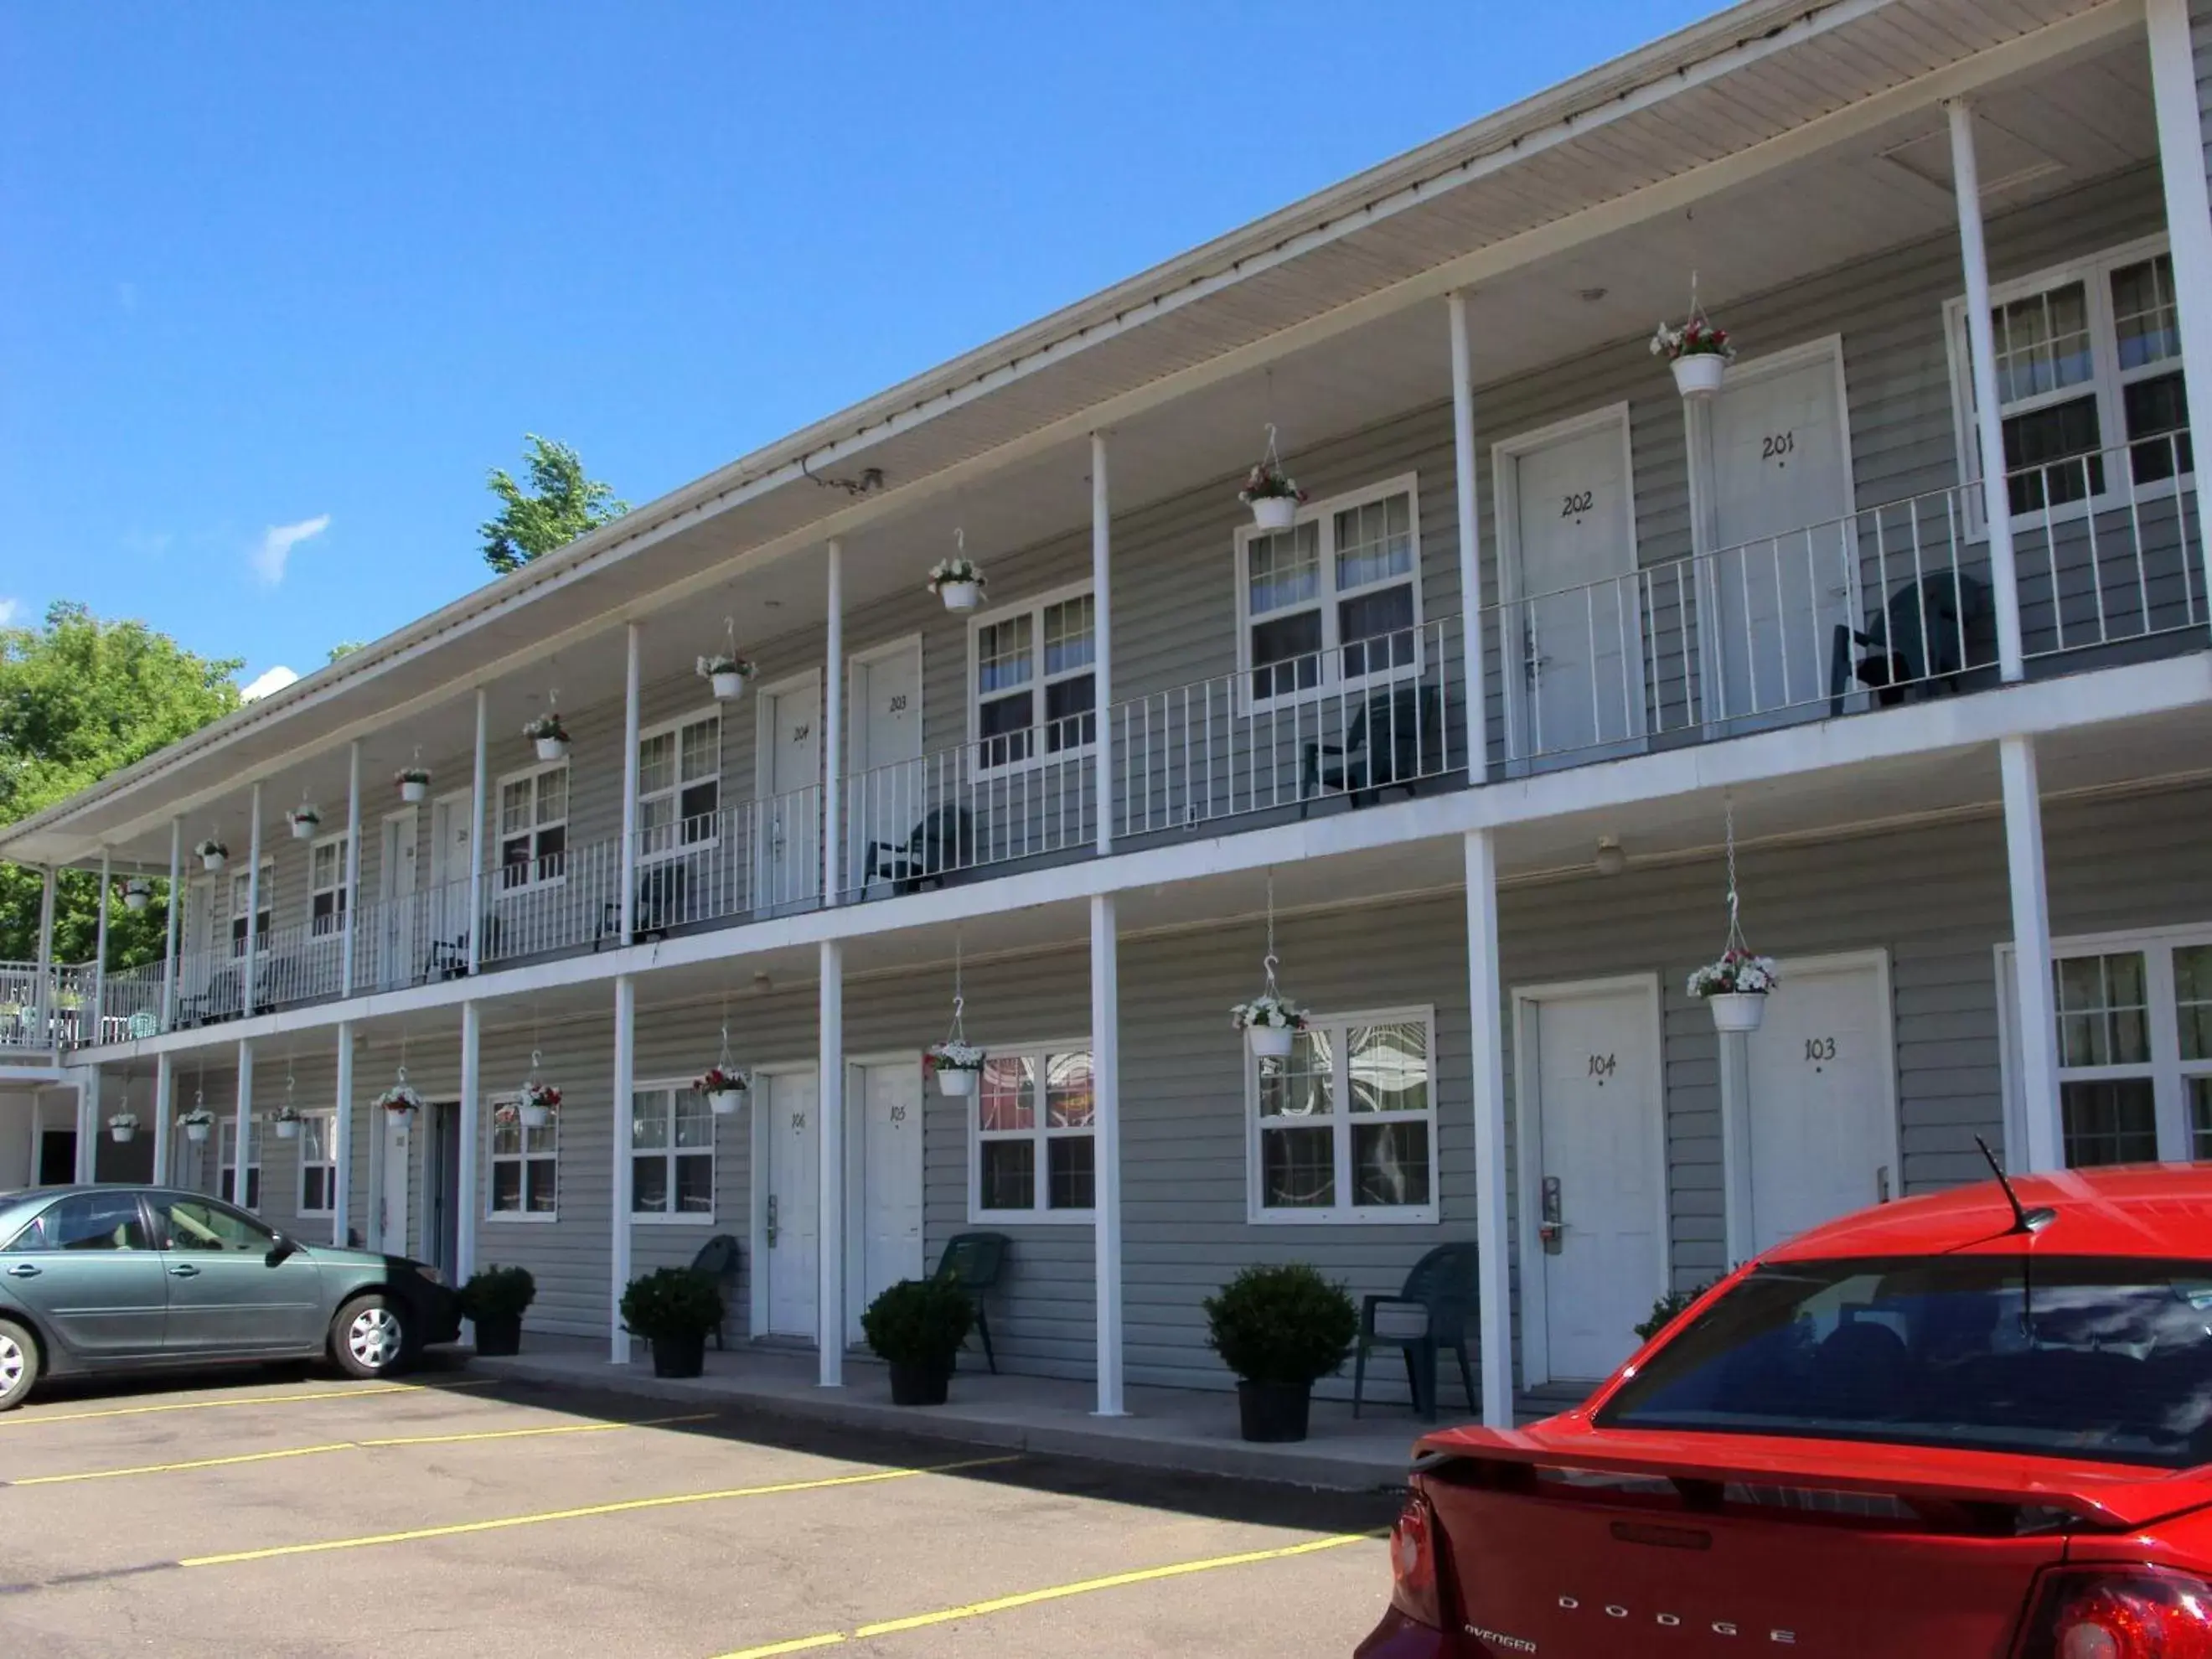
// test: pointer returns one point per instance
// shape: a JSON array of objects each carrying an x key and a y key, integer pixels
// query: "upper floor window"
[
  {"x": 1334, "y": 600},
  {"x": 242, "y": 897},
  {"x": 326, "y": 885},
  {"x": 2088, "y": 358},
  {"x": 533, "y": 826},
  {"x": 1035, "y": 1128},
  {"x": 679, "y": 785},
  {"x": 1033, "y": 683},
  {"x": 1345, "y": 1128}
]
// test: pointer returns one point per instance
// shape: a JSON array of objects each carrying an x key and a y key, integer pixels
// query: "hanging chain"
[
  {"x": 722, "y": 1061},
  {"x": 956, "y": 1032},
  {"x": 1268, "y": 962},
  {"x": 730, "y": 632},
  {"x": 1735, "y": 939}
]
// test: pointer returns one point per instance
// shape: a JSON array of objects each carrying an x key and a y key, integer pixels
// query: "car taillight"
[
  {"x": 1413, "y": 1564},
  {"x": 2129, "y": 1612}
]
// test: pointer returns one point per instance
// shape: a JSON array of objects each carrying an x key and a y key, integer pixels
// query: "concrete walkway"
[{"x": 1173, "y": 1428}]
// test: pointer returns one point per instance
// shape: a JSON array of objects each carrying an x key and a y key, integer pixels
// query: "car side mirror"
[{"x": 280, "y": 1250}]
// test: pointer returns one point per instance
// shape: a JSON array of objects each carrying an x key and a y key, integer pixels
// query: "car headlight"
[{"x": 430, "y": 1272}]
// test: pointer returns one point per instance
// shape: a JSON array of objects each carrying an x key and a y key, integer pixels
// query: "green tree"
[
  {"x": 79, "y": 699},
  {"x": 345, "y": 648},
  {"x": 560, "y": 505}
]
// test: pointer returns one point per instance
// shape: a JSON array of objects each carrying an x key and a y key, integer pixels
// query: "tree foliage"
[
  {"x": 560, "y": 505},
  {"x": 80, "y": 699}
]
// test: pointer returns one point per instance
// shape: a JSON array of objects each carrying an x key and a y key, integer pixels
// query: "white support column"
[
  {"x": 1485, "y": 992},
  {"x": 88, "y": 1126},
  {"x": 98, "y": 1028},
  {"x": 1989, "y": 424},
  {"x": 477, "y": 837},
  {"x": 242, "y": 1128},
  {"x": 341, "y": 1139},
  {"x": 352, "y": 877},
  {"x": 252, "y": 923},
  {"x": 2031, "y": 933},
  {"x": 164, "y": 1113},
  {"x": 830, "y": 1223},
  {"x": 619, "y": 1178},
  {"x": 172, "y": 924},
  {"x": 833, "y": 748},
  {"x": 466, "y": 1199},
  {"x": 631, "y": 680},
  {"x": 1469, "y": 508},
  {"x": 2188, "y": 207},
  {"x": 45, "y": 991},
  {"x": 1101, "y": 656},
  {"x": 379, "y": 1131},
  {"x": 1106, "y": 1194}
]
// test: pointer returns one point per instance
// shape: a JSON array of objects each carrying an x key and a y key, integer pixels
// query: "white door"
[
  {"x": 395, "y": 936},
  {"x": 889, "y": 1169},
  {"x": 449, "y": 868},
  {"x": 1598, "y": 1193},
  {"x": 1781, "y": 482},
  {"x": 788, "y": 781},
  {"x": 1580, "y": 623},
  {"x": 394, "y": 1196},
  {"x": 887, "y": 799},
  {"x": 1817, "y": 1122},
  {"x": 792, "y": 1203}
]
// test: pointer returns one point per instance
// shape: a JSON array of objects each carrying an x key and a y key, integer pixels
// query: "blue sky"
[{"x": 279, "y": 282}]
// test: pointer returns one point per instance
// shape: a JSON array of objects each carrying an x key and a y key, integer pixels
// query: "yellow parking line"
[
  {"x": 625, "y": 1507},
  {"x": 15, "y": 1421},
  {"x": 1053, "y": 1593},
  {"x": 346, "y": 1445}
]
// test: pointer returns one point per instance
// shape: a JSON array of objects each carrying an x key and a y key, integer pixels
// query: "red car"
[{"x": 1973, "y": 1425}]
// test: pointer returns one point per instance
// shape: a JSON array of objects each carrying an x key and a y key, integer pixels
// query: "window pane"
[
  {"x": 315, "y": 1190},
  {"x": 1298, "y": 1169},
  {"x": 1009, "y": 1175},
  {"x": 103, "y": 1221},
  {"x": 1374, "y": 542},
  {"x": 541, "y": 1142},
  {"x": 193, "y": 1225},
  {"x": 699, "y": 803},
  {"x": 695, "y": 1184},
  {"x": 1377, "y": 631},
  {"x": 2155, "y": 408},
  {"x": 507, "y": 1185},
  {"x": 1069, "y": 721},
  {"x": 648, "y": 1185},
  {"x": 656, "y": 764},
  {"x": 1389, "y": 1163},
  {"x": 2043, "y": 342},
  {"x": 2193, "y": 999},
  {"x": 541, "y": 1185},
  {"x": 314, "y": 1138},
  {"x": 1003, "y": 726},
  {"x": 1388, "y": 1067},
  {"x": 2103, "y": 1011},
  {"x": 1068, "y": 1101},
  {"x": 505, "y": 1136},
  {"x": 694, "y": 1121},
  {"x": 2037, "y": 446},
  {"x": 648, "y": 1123},
  {"x": 1071, "y": 1169},
  {"x": 2200, "y": 1116},
  {"x": 553, "y": 795},
  {"x": 1285, "y": 654},
  {"x": 1068, "y": 637},
  {"x": 1304, "y": 1084},
  {"x": 702, "y": 750},
  {"x": 2110, "y": 1123},
  {"x": 1002, "y": 655},
  {"x": 1006, "y": 1098},
  {"x": 514, "y": 806},
  {"x": 1283, "y": 568},
  {"x": 2143, "y": 312}
]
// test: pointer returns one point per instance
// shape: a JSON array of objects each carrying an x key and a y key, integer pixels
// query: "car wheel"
[
  {"x": 19, "y": 1364},
  {"x": 370, "y": 1337}
]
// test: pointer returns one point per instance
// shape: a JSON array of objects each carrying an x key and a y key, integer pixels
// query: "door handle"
[
  {"x": 24, "y": 1270},
  {"x": 1882, "y": 1185},
  {"x": 1555, "y": 1218},
  {"x": 183, "y": 1270}
]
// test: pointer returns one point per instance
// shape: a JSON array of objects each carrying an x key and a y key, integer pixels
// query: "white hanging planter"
[
  {"x": 414, "y": 783},
  {"x": 729, "y": 685},
  {"x": 725, "y": 1102},
  {"x": 137, "y": 894},
  {"x": 956, "y": 1082},
  {"x": 957, "y": 580},
  {"x": 196, "y": 1132},
  {"x": 304, "y": 828},
  {"x": 551, "y": 749},
  {"x": 534, "y": 1117},
  {"x": 1270, "y": 1042},
  {"x": 1274, "y": 512},
  {"x": 961, "y": 596},
  {"x": 1699, "y": 374},
  {"x": 1271, "y": 494},
  {"x": 1737, "y": 1011},
  {"x": 121, "y": 1127},
  {"x": 955, "y": 1061},
  {"x": 1271, "y": 1022},
  {"x": 288, "y": 1128},
  {"x": 213, "y": 855}
]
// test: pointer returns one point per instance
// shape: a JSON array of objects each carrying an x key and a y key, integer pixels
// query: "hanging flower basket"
[
  {"x": 414, "y": 783},
  {"x": 196, "y": 1122},
  {"x": 212, "y": 854},
  {"x": 137, "y": 894},
  {"x": 549, "y": 735},
  {"x": 1271, "y": 494},
  {"x": 122, "y": 1127},
  {"x": 305, "y": 821},
  {"x": 727, "y": 673},
  {"x": 958, "y": 583},
  {"x": 1736, "y": 988},
  {"x": 956, "y": 1063},
  {"x": 724, "y": 1089},
  {"x": 538, "y": 1105},
  {"x": 287, "y": 1125},
  {"x": 1271, "y": 1022},
  {"x": 1698, "y": 352},
  {"x": 401, "y": 1100}
]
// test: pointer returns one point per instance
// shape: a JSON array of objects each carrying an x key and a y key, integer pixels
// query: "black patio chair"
[
  {"x": 1932, "y": 631},
  {"x": 1394, "y": 740},
  {"x": 974, "y": 1263},
  {"x": 719, "y": 1259},
  {"x": 1428, "y": 1316},
  {"x": 942, "y": 843}
]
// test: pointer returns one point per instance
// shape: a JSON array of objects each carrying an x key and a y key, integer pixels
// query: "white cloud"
[
  {"x": 274, "y": 680},
  {"x": 9, "y": 610},
  {"x": 277, "y": 542}
]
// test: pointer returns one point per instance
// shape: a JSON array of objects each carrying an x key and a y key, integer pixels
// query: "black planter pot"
[
  {"x": 680, "y": 1355},
  {"x": 919, "y": 1383},
  {"x": 1273, "y": 1412},
  {"x": 499, "y": 1334}
]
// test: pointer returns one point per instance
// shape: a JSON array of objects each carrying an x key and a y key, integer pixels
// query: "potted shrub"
[
  {"x": 916, "y": 1328},
  {"x": 1272, "y": 495},
  {"x": 956, "y": 1063},
  {"x": 196, "y": 1122},
  {"x": 122, "y": 1127},
  {"x": 1271, "y": 1023},
  {"x": 414, "y": 783},
  {"x": 673, "y": 1308},
  {"x": 958, "y": 583},
  {"x": 212, "y": 854},
  {"x": 1698, "y": 352},
  {"x": 137, "y": 893},
  {"x": 1279, "y": 1330},
  {"x": 549, "y": 735},
  {"x": 1735, "y": 988},
  {"x": 305, "y": 819},
  {"x": 1667, "y": 1310},
  {"x": 536, "y": 1104},
  {"x": 288, "y": 1124},
  {"x": 725, "y": 1089},
  {"x": 494, "y": 1300},
  {"x": 727, "y": 673}
]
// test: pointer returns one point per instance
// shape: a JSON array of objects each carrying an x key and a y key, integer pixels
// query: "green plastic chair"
[{"x": 974, "y": 1262}]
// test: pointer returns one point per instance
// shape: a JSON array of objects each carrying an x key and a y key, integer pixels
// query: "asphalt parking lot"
[{"x": 298, "y": 1514}]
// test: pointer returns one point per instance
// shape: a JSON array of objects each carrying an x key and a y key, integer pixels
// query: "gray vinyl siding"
[{"x": 2200, "y": 40}]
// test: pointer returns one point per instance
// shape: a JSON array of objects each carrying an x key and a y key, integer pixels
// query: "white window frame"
[
  {"x": 1039, "y": 755},
  {"x": 226, "y": 1129},
  {"x": 674, "y": 1089},
  {"x": 1039, "y": 1133},
  {"x": 533, "y": 881},
  {"x": 2105, "y": 383},
  {"x": 1342, "y": 1119},
  {"x": 328, "y": 1121},
  {"x": 1327, "y": 600},
  {"x": 340, "y": 901},
  {"x": 494, "y": 1157},
  {"x": 232, "y": 912},
  {"x": 2166, "y": 1068},
  {"x": 674, "y": 728}
]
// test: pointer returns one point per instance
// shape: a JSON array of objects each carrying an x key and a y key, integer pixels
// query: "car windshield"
[{"x": 2069, "y": 1357}]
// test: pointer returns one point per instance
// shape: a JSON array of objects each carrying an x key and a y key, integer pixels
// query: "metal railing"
[
  {"x": 1011, "y": 796},
  {"x": 2106, "y": 546}
]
